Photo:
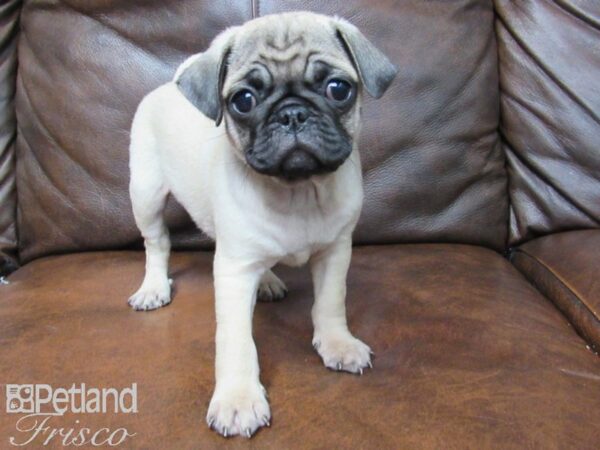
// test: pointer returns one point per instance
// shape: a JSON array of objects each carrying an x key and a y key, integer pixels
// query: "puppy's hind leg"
[
  {"x": 271, "y": 288},
  {"x": 148, "y": 197}
]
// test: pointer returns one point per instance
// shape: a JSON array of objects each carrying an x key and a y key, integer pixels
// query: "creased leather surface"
[
  {"x": 566, "y": 268},
  {"x": 85, "y": 66},
  {"x": 9, "y": 25},
  {"x": 550, "y": 108},
  {"x": 433, "y": 166},
  {"x": 468, "y": 355}
]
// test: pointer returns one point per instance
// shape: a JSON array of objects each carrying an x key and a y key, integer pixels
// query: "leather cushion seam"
[{"x": 562, "y": 283}]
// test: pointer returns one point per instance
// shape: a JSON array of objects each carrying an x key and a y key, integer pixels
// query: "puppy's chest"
[
  {"x": 297, "y": 237},
  {"x": 296, "y": 259},
  {"x": 289, "y": 225}
]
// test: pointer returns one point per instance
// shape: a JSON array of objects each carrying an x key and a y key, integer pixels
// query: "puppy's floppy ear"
[
  {"x": 201, "y": 77},
  {"x": 375, "y": 70}
]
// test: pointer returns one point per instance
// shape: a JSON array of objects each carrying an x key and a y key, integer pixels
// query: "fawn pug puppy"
[{"x": 277, "y": 180}]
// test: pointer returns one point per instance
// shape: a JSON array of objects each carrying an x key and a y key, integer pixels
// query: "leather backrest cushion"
[
  {"x": 433, "y": 166},
  {"x": 550, "y": 107},
  {"x": 9, "y": 25}
]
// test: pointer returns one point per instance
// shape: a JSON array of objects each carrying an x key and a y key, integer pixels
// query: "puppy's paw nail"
[
  {"x": 238, "y": 409},
  {"x": 150, "y": 297},
  {"x": 343, "y": 352}
]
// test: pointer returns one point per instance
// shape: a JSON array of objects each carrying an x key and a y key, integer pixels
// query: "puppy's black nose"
[{"x": 292, "y": 116}]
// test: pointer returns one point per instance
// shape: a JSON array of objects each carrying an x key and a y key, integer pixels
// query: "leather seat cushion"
[{"x": 468, "y": 353}]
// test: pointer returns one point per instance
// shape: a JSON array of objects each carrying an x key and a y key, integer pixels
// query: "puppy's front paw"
[
  {"x": 271, "y": 288},
  {"x": 238, "y": 410},
  {"x": 342, "y": 351},
  {"x": 151, "y": 296}
]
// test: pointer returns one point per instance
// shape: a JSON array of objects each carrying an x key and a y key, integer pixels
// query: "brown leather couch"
[{"x": 475, "y": 277}]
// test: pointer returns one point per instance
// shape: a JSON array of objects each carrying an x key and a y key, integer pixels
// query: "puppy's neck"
[
  {"x": 313, "y": 195},
  {"x": 297, "y": 196}
]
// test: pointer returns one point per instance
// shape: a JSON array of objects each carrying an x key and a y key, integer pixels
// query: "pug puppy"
[{"x": 278, "y": 180}]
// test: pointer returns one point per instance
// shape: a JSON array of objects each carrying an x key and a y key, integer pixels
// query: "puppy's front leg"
[
  {"x": 238, "y": 405},
  {"x": 332, "y": 339}
]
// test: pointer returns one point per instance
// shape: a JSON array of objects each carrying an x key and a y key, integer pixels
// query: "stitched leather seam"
[{"x": 561, "y": 282}]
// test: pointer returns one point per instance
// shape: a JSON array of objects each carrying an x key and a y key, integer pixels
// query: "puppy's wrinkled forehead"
[{"x": 282, "y": 47}]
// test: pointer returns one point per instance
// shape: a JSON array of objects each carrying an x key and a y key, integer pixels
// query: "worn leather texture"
[
  {"x": 468, "y": 355},
  {"x": 550, "y": 108},
  {"x": 566, "y": 267},
  {"x": 9, "y": 27},
  {"x": 433, "y": 165},
  {"x": 84, "y": 67}
]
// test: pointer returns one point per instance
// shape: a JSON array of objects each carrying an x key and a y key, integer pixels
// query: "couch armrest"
[
  {"x": 9, "y": 19},
  {"x": 565, "y": 267}
]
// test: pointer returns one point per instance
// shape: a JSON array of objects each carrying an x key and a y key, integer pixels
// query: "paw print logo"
[{"x": 19, "y": 398}]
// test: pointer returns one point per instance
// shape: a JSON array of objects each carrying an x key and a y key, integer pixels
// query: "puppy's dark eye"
[
  {"x": 338, "y": 90},
  {"x": 243, "y": 101}
]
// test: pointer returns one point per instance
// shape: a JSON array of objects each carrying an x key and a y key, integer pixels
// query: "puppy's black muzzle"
[{"x": 298, "y": 142}]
